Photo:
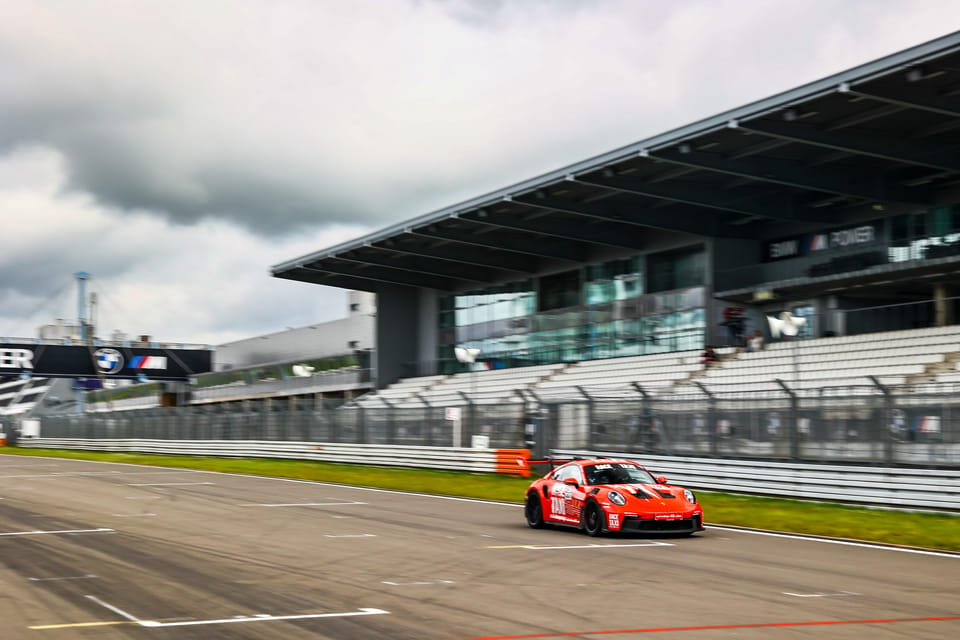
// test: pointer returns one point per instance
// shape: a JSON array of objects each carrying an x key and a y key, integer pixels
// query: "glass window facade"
[
  {"x": 599, "y": 311},
  {"x": 933, "y": 233}
]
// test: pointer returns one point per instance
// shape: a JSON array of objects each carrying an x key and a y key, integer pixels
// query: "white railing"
[
  {"x": 894, "y": 487},
  {"x": 447, "y": 458},
  {"x": 887, "y": 486}
]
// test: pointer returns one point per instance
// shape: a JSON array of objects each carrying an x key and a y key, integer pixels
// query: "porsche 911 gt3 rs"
[{"x": 603, "y": 495}]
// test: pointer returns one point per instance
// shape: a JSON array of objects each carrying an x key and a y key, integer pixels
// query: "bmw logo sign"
[{"x": 109, "y": 360}]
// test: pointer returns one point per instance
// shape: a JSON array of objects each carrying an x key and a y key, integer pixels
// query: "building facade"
[{"x": 837, "y": 202}]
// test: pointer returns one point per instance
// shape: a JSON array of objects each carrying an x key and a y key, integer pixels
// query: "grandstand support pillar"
[
  {"x": 793, "y": 433},
  {"x": 711, "y": 417},
  {"x": 590, "y": 414},
  {"x": 886, "y": 421},
  {"x": 941, "y": 305}
]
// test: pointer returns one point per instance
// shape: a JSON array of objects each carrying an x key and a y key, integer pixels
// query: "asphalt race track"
[{"x": 109, "y": 551}]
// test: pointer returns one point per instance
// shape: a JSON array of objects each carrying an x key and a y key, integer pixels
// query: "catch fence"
[{"x": 860, "y": 425}]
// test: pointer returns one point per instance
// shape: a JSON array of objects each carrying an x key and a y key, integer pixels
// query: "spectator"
[
  {"x": 755, "y": 342},
  {"x": 709, "y": 356},
  {"x": 734, "y": 321}
]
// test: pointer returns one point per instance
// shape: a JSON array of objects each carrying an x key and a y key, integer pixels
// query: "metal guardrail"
[
  {"x": 447, "y": 458},
  {"x": 894, "y": 487},
  {"x": 887, "y": 486}
]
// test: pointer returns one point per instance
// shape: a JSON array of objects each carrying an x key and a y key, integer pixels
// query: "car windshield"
[{"x": 618, "y": 473}]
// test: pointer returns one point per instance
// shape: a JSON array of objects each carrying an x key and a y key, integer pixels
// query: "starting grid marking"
[
  {"x": 537, "y": 547},
  {"x": 263, "y": 617},
  {"x": 67, "y": 531},
  {"x": 166, "y": 484},
  {"x": 66, "y": 474},
  {"x": 302, "y": 504},
  {"x": 87, "y": 576}
]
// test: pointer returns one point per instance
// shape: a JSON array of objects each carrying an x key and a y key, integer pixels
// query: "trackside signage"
[
  {"x": 63, "y": 361},
  {"x": 797, "y": 246}
]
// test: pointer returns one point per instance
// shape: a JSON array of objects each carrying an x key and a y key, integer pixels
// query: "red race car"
[{"x": 603, "y": 495}]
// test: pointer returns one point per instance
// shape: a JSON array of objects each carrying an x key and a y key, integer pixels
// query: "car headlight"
[
  {"x": 689, "y": 497},
  {"x": 617, "y": 498}
]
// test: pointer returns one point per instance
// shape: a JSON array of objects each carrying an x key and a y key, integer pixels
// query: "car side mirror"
[
  {"x": 661, "y": 479},
  {"x": 572, "y": 481}
]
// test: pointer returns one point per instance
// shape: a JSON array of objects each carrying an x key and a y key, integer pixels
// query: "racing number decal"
[
  {"x": 560, "y": 498},
  {"x": 557, "y": 505}
]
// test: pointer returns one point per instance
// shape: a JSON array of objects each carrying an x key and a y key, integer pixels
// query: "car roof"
[{"x": 585, "y": 462}]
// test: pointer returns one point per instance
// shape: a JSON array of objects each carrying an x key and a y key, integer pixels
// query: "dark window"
[
  {"x": 560, "y": 290},
  {"x": 677, "y": 269}
]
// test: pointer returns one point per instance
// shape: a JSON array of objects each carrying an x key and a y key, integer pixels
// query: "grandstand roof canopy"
[{"x": 879, "y": 137}]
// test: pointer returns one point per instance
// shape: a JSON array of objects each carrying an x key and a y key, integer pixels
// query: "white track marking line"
[
  {"x": 535, "y": 547},
  {"x": 849, "y": 543},
  {"x": 120, "y": 612},
  {"x": 83, "y": 577},
  {"x": 37, "y": 533},
  {"x": 66, "y": 474},
  {"x": 27, "y": 466},
  {"x": 352, "y": 535},
  {"x": 262, "y": 617},
  {"x": 367, "y": 611},
  {"x": 301, "y": 504},
  {"x": 417, "y": 584},
  {"x": 838, "y": 594},
  {"x": 166, "y": 484},
  {"x": 866, "y": 545}
]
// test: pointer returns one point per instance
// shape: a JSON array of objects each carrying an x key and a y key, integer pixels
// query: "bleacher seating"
[
  {"x": 892, "y": 358},
  {"x": 620, "y": 376},
  {"x": 483, "y": 386},
  {"x": 19, "y": 396}
]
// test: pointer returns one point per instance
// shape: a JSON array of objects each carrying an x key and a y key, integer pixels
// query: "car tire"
[
  {"x": 533, "y": 510},
  {"x": 592, "y": 523}
]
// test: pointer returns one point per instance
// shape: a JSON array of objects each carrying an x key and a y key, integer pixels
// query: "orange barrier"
[
  {"x": 3, "y": 439},
  {"x": 513, "y": 462}
]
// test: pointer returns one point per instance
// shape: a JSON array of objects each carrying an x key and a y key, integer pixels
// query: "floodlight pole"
[{"x": 82, "y": 277}]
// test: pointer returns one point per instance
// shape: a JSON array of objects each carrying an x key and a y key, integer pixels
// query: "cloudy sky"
[{"x": 177, "y": 149}]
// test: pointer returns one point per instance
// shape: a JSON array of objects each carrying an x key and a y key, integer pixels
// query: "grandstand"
[
  {"x": 590, "y": 292},
  {"x": 836, "y": 202},
  {"x": 20, "y": 395},
  {"x": 896, "y": 358}
]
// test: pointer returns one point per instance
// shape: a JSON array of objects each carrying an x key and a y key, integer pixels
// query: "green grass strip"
[{"x": 929, "y": 530}]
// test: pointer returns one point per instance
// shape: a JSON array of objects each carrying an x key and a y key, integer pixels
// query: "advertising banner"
[{"x": 63, "y": 361}]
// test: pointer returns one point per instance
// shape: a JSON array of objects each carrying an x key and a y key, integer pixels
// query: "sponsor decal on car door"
[{"x": 563, "y": 502}]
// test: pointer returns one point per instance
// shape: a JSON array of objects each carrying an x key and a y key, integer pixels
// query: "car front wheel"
[
  {"x": 534, "y": 511},
  {"x": 592, "y": 519}
]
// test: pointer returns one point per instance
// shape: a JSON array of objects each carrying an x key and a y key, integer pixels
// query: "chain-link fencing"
[{"x": 864, "y": 425}]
